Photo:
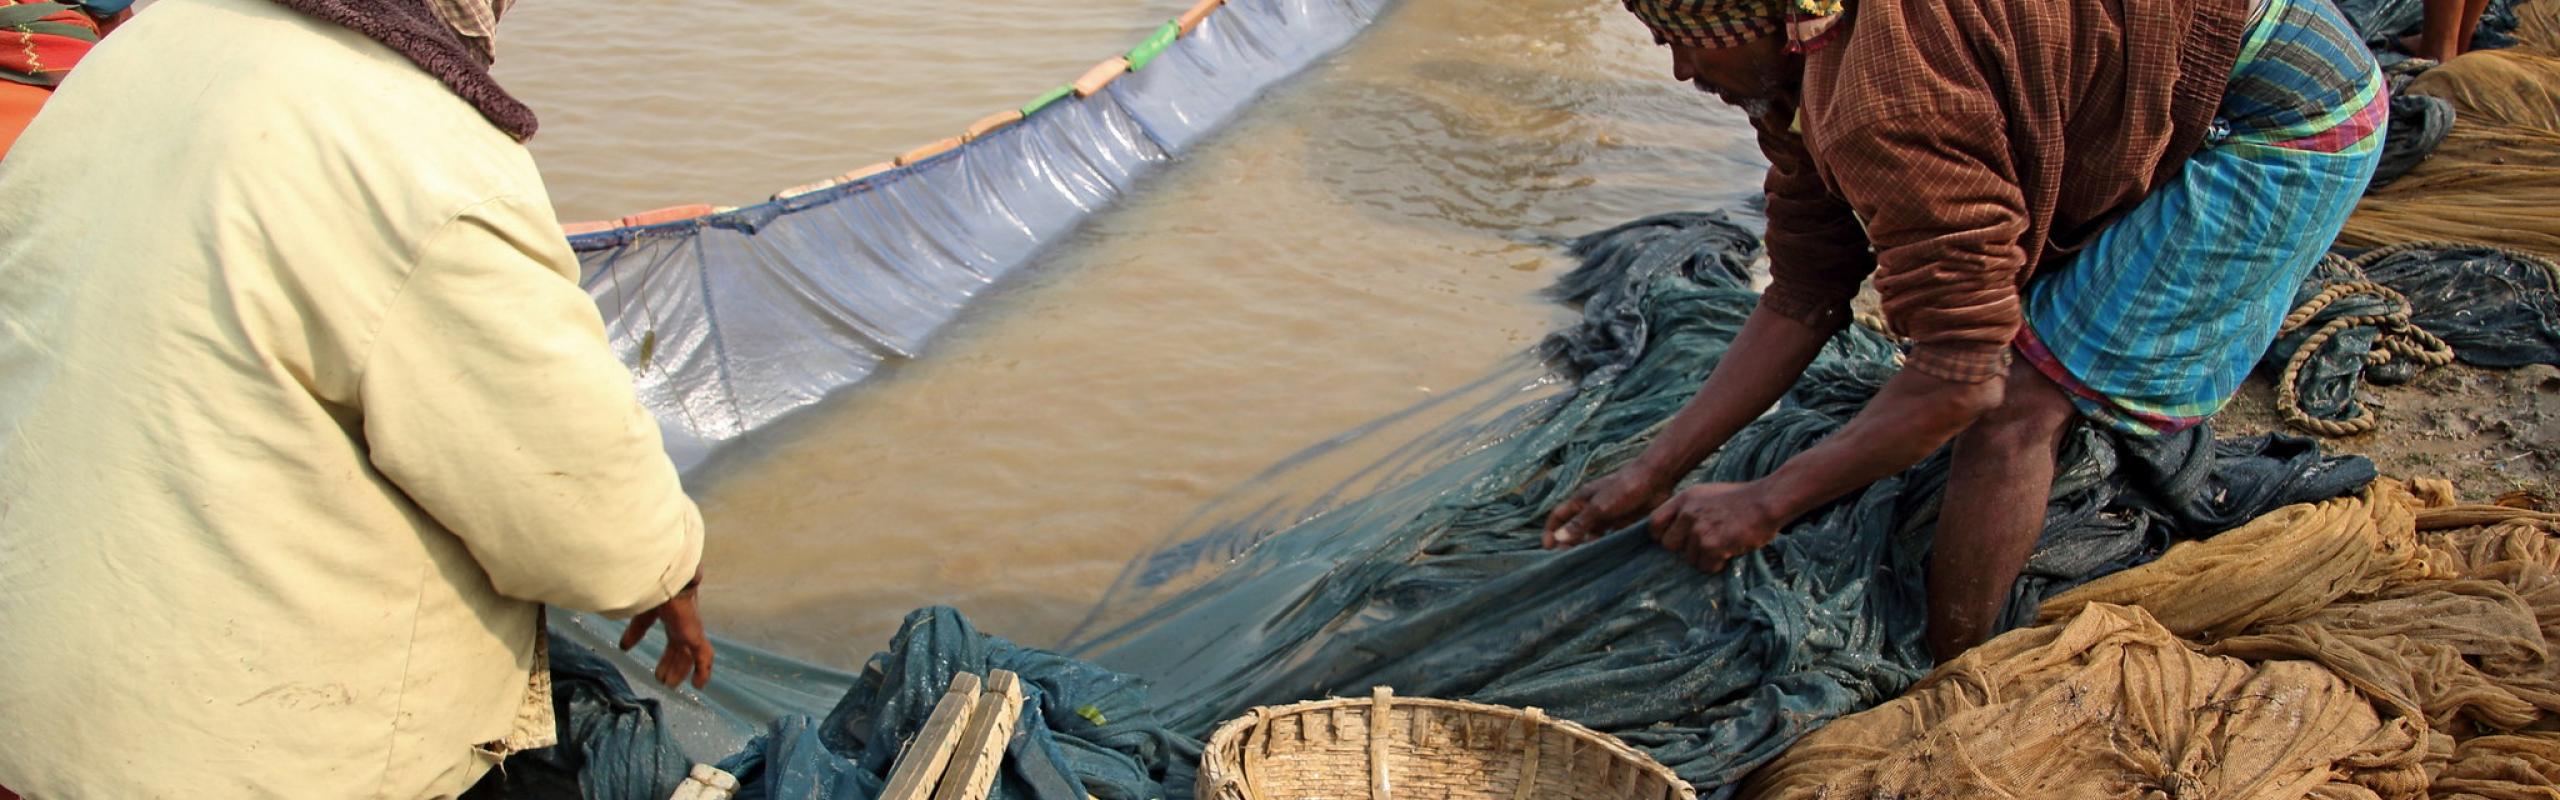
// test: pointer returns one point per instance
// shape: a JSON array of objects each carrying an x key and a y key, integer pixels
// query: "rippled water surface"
[{"x": 1367, "y": 236}]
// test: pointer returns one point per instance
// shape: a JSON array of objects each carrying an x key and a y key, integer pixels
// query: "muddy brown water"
[{"x": 1363, "y": 238}]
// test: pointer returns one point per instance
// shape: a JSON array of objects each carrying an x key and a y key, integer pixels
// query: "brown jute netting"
[
  {"x": 2388, "y": 645},
  {"x": 2496, "y": 178}
]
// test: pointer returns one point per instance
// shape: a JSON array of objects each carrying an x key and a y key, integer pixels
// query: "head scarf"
[
  {"x": 1732, "y": 23},
  {"x": 476, "y": 21},
  {"x": 449, "y": 39}
]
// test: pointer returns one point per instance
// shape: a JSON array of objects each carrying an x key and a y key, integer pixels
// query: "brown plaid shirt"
[{"x": 1979, "y": 140}]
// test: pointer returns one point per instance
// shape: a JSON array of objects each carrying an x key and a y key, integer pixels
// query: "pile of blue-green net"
[{"x": 1434, "y": 583}]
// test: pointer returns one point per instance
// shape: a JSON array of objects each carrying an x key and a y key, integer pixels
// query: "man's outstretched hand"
[
  {"x": 688, "y": 647},
  {"x": 1604, "y": 505},
  {"x": 1709, "y": 525}
]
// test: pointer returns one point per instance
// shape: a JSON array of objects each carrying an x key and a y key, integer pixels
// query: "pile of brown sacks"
[{"x": 2394, "y": 644}]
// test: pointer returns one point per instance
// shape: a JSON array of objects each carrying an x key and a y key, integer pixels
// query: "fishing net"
[
  {"x": 1433, "y": 581},
  {"x": 2460, "y": 265},
  {"x": 1711, "y": 674},
  {"x": 2418, "y": 126},
  {"x": 2381, "y": 22},
  {"x": 2386, "y": 314},
  {"x": 732, "y": 319},
  {"x": 2491, "y": 179},
  {"x": 2392, "y": 645},
  {"x": 2495, "y": 307},
  {"x": 2418, "y": 122},
  {"x": 1084, "y": 731},
  {"x": 2108, "y": 705}
]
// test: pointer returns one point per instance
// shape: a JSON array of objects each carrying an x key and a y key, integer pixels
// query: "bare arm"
[
  {"x": 1913, "y": 416},
  {"x": 1765, "y": 360}
]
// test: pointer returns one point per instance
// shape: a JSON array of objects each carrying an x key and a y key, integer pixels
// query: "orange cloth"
[{"x": 18, "y": 104}]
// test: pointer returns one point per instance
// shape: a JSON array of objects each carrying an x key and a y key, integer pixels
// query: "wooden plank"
[
  {"x": 973, "y": 770},
  {"x": 1381, "y": 708},
  {"x": 926, "y": 755},
  {"x": 1535, "y": 722}
]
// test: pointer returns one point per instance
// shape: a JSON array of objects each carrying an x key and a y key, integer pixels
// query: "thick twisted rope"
[{"x": 2399, "y": 340}]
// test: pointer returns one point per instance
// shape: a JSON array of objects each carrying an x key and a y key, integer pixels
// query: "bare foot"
[{"x": 2416, "y": 46}]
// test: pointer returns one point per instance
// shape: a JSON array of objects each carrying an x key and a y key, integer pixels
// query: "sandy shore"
[{"x": 2491, "y": 432}]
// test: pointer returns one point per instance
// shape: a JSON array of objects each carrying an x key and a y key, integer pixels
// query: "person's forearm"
[
  {"x": 1764, "y": 361},
  {"x": 1912, "y": 417}
]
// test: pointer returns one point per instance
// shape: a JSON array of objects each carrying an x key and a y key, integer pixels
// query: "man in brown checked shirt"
[{"x": 2078, "y": 211}]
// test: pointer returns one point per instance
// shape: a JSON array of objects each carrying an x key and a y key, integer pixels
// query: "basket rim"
[{"x": 1225, "y": 739}]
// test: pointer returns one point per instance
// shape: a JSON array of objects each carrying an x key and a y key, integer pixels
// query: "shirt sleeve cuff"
[
  {"x": 688, "y": 559},
  {"x": 678, "y": 574},
  {"x": 1826, "y": 311},
  {"x": 1961, "y": 362}
]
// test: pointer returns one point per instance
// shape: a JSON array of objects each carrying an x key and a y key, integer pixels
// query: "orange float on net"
[
  {"x": 1101, "y": 75},
  {"x": 1199, "y": 13},
  {"x": 658, "y": 216},
  {"x": 992, "y": 123},
  {"x": 928, "y": 151}
]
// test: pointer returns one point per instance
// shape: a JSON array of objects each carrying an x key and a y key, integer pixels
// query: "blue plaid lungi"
[{"x": 2154, "y": 325}]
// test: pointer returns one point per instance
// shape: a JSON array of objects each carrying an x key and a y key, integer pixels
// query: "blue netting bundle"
[
  {"x": 2385, "y": 314},
  {"x": 2381, "y": 21}
]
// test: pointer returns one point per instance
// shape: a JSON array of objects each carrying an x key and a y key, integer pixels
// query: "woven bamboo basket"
[{"x": 1389, "y": 748}]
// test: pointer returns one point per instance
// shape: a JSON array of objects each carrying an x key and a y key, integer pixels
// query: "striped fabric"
[
  {"x": 1729, "y": 23},
  {"x": 2155, "y": 324},
  {"x": 1707, "y": 23},
  {"x": 476, "y": 21}
]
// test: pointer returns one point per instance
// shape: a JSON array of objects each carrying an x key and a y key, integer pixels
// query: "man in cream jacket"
[{"x": 303, "y": 418}]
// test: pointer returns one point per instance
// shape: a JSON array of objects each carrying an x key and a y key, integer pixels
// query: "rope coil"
[{"x": 2399, "y": 340}]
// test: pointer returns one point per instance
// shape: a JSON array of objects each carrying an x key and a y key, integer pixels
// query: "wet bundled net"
[
  {"x": 2490, "y": 176},
  {"x": 2418, "y": 122},
  {"x": 2383, "y": 22},
  {"x": 1085, "y": 732},
  {"x": 2386, "y": 314},
  {"x": 1436, "y": 585},
  {"x": 2393, "y": 645},
  {"x": 1451, "y": 596},
  {"x": 2453, "y": 262}
]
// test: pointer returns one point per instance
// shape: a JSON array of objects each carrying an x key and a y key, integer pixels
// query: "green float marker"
[{"x": 1154, "y": 46}]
